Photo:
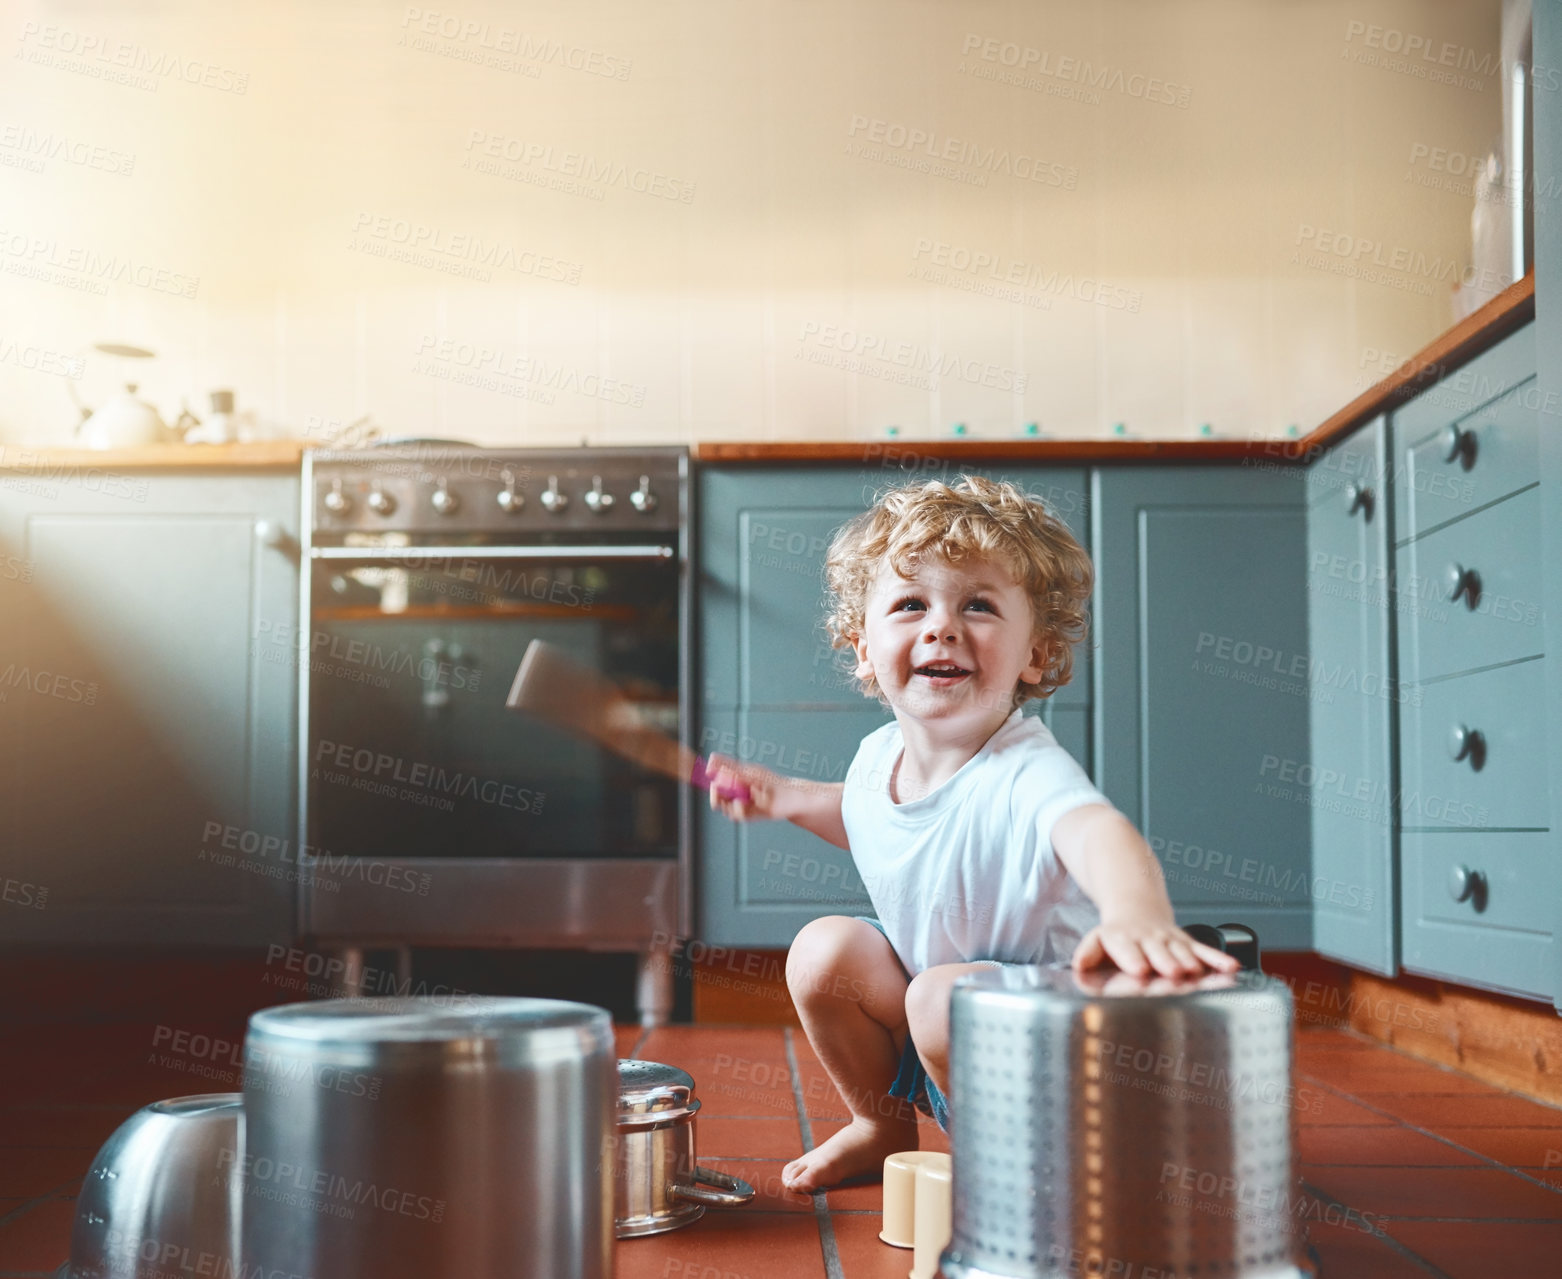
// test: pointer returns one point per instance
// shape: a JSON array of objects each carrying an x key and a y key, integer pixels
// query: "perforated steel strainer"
[{"x": 1106, "y": 1126}]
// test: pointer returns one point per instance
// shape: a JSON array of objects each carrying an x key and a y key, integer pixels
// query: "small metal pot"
[
  {"x": 658, "y": 1185},
  {"x": 163, "y": 1193}
]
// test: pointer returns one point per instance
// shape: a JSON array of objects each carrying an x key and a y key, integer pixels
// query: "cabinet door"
[
  {"x": 1202, "y": 684},
  {"x": 149, "y": 707},
  {"x": 1348, "y": 779},
  {"x": 775, "y": 692}
]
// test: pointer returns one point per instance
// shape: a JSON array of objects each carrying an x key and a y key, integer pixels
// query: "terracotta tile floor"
[{"x": 1456, "y": 1179}]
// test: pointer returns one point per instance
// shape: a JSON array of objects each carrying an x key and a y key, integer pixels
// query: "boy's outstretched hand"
[
  {"x": 1142, "y": 945},
  {"x": 763, "y": 785}
]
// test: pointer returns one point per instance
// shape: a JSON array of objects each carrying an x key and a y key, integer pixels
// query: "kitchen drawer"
[
  {"x": 1501, "y": 935},
  {"x": 1499, "y": 454},
  {"x": 1489, "y": 376},
  {"x": 1506, "y": 706},
  {"x": 1443, "y": 636}
]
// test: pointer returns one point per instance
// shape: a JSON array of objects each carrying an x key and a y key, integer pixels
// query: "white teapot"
[{"x": 123, "y": 421}]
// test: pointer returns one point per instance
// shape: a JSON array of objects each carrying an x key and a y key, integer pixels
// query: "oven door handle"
[{"x": 392, "y": 554}]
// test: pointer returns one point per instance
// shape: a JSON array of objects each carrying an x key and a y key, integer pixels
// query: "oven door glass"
[{"x": 412, "y": 752}]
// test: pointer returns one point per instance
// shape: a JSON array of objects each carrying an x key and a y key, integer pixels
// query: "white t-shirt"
[{"x": 967, "y": 872}]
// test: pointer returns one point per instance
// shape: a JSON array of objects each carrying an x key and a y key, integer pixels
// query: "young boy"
[{"x": 978, "y": 838}]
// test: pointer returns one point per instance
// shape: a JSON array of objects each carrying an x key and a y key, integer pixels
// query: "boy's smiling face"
[{"x": 950, "y": 643}]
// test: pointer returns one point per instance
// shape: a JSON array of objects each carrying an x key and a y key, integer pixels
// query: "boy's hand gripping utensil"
[{"x": 553, "y": 687}]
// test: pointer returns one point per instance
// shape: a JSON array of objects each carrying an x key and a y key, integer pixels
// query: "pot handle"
[{"x": 732, "y": 1191}]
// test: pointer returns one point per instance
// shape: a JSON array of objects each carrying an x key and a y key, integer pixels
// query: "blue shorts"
[{"x": 911, "y": 1081}]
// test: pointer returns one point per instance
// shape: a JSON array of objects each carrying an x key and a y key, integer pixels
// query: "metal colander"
[{"x": 1106, "y": 1126}]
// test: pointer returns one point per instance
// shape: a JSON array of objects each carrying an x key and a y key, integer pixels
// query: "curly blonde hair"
[{"x": 975, "y": 517}]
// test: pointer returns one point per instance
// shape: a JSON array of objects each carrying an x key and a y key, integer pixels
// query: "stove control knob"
[
  {"x": 336, "y": 501},
  {"x": 444, "y": 501},
  {"x": 509, "y": 500},
  {"x": 552, "y": 500},
  {"x": 381, "y": 502},
  {"x": 599, "y": 502},
  {"x": 642, "y": 499}
]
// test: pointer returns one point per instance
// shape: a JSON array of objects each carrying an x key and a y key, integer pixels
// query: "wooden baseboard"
[{"x": 1510, "y": 1043}]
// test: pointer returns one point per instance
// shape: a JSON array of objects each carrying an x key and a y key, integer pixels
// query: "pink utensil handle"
[{"x": 700, "y": 776}]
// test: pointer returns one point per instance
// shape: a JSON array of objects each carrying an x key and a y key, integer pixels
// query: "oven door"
[{"x": 411, "y": 752}]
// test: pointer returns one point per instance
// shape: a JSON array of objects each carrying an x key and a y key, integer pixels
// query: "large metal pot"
[
  {"x": 659, "y": 1185},
  {"x": 1105, "y": 1125},
  {"x": 163, "y": 1194},
  {"x": 391, "y": 1138}
]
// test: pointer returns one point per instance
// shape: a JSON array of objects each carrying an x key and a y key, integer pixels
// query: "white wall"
[{"x": 725, "y": 314}]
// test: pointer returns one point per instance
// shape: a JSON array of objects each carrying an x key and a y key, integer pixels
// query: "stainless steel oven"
[{"x": 431, "y": 815}]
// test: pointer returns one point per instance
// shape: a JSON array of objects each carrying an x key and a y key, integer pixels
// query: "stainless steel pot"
[
  {"x": 391, "y": 1138},
  {"x": 163, "y": 1194},
  {"x": 659, "y": 1186},
  {"x": 1105, "y": 1125}
]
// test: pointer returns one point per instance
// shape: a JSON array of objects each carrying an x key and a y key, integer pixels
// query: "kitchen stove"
[{"x": 432, "y": 816}]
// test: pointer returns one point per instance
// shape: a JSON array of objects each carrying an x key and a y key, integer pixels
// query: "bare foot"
[{"x": 862, "y": 1146}]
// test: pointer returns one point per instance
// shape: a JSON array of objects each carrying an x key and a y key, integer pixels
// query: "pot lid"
[
  {"x": 512, "y": 1030},
  {"x": 649, "y": 1087}
]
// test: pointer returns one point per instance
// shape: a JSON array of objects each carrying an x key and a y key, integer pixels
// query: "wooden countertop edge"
[
  {"x": 1478, "y": 331},
  {"x": 154, "y": 457}
]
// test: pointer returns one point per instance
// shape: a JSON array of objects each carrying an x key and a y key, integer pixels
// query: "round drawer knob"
[
  {"x": 1360, "y": 498},
  {"x": 1464, "y": 582},
  {"x": 1466, "y": 743},
  {"x": 1459, "y": 446},
  {"x": 1464, "y": 883}
]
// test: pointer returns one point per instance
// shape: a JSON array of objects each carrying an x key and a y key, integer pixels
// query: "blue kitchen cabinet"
[
  {"x": 1548, "y": 389},
  {"x": 1348, "y": 779},
  {"x": 1203, "y": 681},
  {"x": 148, "y": 632},
  {"x": 773, "y": 691},
  {"x": 1479, "y": 871}
]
